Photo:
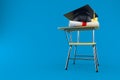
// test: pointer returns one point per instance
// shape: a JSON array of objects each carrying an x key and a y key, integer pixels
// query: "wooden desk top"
[{"x": 77, "y": 28}]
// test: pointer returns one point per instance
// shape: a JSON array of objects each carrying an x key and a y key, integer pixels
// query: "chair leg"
[
  {"x": 68, "y": 57},
  {"x": 95, "y": 58},
  {"x": 75, "y": 50}
]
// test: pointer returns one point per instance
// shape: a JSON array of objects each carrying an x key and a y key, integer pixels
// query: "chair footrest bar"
[
  {"x": 78, "y": 55},
  {"x": 82, "y": 58}
]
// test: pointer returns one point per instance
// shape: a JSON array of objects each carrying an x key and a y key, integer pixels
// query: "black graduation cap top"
[{"x": 84, "y": 13}]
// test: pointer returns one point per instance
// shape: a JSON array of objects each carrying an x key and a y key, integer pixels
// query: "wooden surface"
[{"x": 77, "y": 28}]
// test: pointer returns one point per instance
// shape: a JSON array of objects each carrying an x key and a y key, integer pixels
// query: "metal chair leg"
[
  {"x": 68, "y": 57},
  {"x": 95, "y": 58},
  {"x": 96, "y": 55},
  {"x": 75, "y": 50}
]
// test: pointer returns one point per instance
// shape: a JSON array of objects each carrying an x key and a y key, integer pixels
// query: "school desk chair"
[{"x": 68, "y": 31}]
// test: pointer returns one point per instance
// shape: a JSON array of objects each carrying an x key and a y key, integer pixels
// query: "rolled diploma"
[{"x": 89, "y": 24}]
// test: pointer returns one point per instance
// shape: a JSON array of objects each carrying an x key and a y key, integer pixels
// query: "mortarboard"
[{"x": 85, "y": 13}]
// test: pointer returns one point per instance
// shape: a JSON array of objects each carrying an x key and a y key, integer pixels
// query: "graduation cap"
[{"x": 85, "y": 13}]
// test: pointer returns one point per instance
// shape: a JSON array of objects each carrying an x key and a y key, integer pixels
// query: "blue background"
[{"x": 32, "y": 48}]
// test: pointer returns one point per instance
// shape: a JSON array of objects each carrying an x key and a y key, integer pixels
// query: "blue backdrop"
[{"x": 32, "y": 48}]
